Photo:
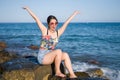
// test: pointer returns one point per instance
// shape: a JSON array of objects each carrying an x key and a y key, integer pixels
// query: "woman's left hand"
[
  {"x": 25, "y": 8},
  {"x": 76, "y": 12}
]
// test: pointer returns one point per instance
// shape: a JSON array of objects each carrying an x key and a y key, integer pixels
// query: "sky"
[{"x": 90, "y": 10}]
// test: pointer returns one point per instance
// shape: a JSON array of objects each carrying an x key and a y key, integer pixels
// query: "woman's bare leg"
[
  {"x": 68, "y": 65},
  {"x": 52, "y": 56}
]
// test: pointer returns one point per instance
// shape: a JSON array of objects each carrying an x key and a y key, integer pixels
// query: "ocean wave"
[{"x": 110, "y": 73}]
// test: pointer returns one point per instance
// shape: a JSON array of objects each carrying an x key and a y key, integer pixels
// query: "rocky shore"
[{"x": 14, "y": 67}]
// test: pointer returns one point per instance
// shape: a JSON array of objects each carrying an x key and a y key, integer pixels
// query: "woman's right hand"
[{"x": 76, "y": 12}]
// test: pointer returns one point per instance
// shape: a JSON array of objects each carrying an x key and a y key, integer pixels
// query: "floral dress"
[{"x": 47, "y": 44}]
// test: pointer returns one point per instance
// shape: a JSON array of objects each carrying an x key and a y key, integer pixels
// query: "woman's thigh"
[{"x": 49, "y": 57}]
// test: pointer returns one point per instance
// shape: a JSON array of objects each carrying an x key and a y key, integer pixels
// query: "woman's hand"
[
  {"x": 76, "y": 12},
  {"x": 25, "y": 8}
]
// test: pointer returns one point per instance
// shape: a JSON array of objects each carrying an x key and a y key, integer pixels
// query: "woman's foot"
[
  {"x": 60, "y": 75},
  {"x": 73, "y": 76}
]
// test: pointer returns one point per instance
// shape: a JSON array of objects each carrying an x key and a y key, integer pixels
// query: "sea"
[{"x": 84, "y": 42}]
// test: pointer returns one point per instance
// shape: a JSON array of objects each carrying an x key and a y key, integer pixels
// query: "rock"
[
  {"x": 1, "y": 69},
  {"x": 25, "y": 69},
  {"x": 46, "y": 71},
  {"x": 17, "y": 63},
  {"x": 41, "y": 72},
  {"x": 23, "y": 74},
  {"x": 50, "y": 77},
  {"x": 46, "y": 77},
  {"x": 90, "y": 78},
  {"x": 81, "y": 74},
  {"x": 62, "y": 68},
  {"x": 96, "y": 72},
  {"x": 2, "y": 46},
  {"x": 18, "y": 69},
  {"x": 1, "y": 78},
  {"x": 5, "y": 56},
  {"x": 33, "y": 47},
  {"x": 93, "y": 62}
]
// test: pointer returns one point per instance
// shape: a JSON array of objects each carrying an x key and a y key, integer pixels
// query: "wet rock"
[
  {"x": 62, "y": 68},
  {"x": 25, "y": 69},
  {"x": 38, "y": 73},
  {"x": 33, "y": 47},
  {"x": 1, "y": 77},
  {"x": 23, "y": 74},
  {"x": 18, "y": 63},
  {"x": 81, "y": 74},
  {"x": 18, "y": 69},
  {"x": 93, "y": 62},
  {"x": 90, "y": 78},
  {"x": 5, "y": 56},
  {"x": 50, "y": 77},
  {"x": 96, "y": 72},
  {"x": 2, "y": 46},
  {"x": 31, "y": 58},
  {"x": 1, "y": 69},
  {"x": 43, "y": 72}
]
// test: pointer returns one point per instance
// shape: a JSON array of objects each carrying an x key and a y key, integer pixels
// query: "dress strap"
[
  {"x": 57, "y": 32},
  {"x": 47, "y": 31}
]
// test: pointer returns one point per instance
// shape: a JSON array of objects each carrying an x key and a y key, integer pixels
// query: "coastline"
[{"x": 12, "y": 64}]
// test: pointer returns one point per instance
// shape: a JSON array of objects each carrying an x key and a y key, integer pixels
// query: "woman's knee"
[
  {"x": 65, "y": 55},
  {"x": 58, "y": 52}
]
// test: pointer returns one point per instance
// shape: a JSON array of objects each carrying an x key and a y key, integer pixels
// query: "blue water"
[{"x": 82, "y": 41}]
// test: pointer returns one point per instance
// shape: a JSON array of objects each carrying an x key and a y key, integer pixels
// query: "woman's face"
[{"x": 53, "y": 24}]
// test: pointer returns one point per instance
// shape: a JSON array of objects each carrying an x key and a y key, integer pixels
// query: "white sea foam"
[
  {"x": 110, "y": 73},
  {"x": 80, "y": 66}
]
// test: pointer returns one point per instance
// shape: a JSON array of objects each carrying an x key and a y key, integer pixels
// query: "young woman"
[{"x": 47, "y": 52}]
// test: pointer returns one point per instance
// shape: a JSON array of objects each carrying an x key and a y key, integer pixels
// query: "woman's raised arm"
[
  {"x": 62, "y": 29},
  {"x": 40, "y": 25}
]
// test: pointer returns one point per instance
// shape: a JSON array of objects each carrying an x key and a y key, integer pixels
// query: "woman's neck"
[{"x": 52, "y": 31}]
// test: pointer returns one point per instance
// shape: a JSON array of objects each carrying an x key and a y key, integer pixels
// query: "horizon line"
[{"x": 72, "y": 22}]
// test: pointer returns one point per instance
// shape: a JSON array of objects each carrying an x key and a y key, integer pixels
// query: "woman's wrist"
[{"x": 76, "y": 12}]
